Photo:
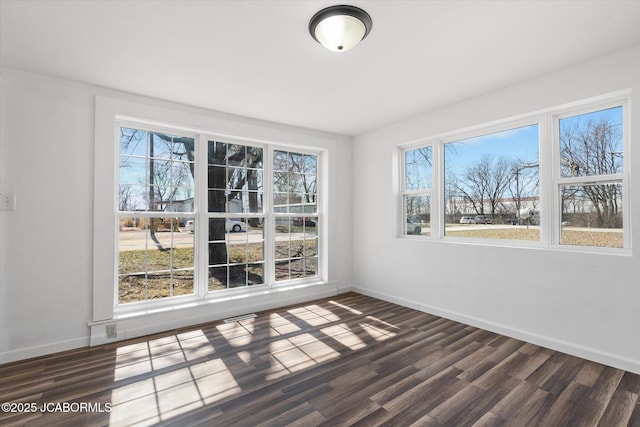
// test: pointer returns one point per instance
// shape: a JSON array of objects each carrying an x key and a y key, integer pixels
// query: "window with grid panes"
[{"x": 295, "y": 211}]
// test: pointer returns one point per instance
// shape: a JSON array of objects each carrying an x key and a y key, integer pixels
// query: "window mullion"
[
  {"x": 548, "y": 150},
  {"x": 437, "y": 209},
  {"x": 201, "y": 222},
  {"x": 269, "y": 221}
]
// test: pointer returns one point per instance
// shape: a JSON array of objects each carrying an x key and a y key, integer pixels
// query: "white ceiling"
[{"x": 257, "y": 59}]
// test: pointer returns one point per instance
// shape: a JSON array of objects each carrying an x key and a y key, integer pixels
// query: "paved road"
[{"x": 138, "y": 240}]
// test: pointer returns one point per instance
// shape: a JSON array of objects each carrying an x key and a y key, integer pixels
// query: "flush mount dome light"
[{"x": 340, "y": 28}]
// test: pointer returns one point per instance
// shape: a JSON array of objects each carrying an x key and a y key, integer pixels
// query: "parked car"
[
  {"x": 231, "y": 225},
  {"x": 413, "y": 228},
  {"x": 235, "y": 225},
  {"x": 467, "y": 220},
  {"x": 304, "y": 221},
  {"x": 483, "y": 219}
]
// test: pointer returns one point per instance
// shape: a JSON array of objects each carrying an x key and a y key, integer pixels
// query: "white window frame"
[
  {"x": 404, "y": 192},
  {"x": 620, "y": 178},
  {"x": 549, "y": 176},
  {"x": 273, "y": 216},
  {"x": 141, "y": 125},
  {"x": 153, "y": 316},
  {"x": 201, "y": 216}
]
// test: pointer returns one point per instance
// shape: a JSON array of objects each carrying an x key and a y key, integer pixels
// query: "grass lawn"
[
  {"x": 572, "y": 237},
  {"x": 171, "y": 272}
]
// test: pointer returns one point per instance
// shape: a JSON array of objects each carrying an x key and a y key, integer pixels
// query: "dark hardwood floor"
[{"x": 347, "y": 360}]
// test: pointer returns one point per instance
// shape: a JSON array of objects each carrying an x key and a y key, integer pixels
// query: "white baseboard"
[
  {"x": 151, "y": 324},
  {"x": 42, "y": 349},
  {"x": 543, "y": 341}
]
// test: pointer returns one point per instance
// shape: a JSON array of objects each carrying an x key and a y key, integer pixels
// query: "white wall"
[
  {"x": 584, "y": 304},
  {"x": 46, "y": 244}
]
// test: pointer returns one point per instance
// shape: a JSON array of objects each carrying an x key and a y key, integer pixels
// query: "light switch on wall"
[{"x": 7, "y": 202}]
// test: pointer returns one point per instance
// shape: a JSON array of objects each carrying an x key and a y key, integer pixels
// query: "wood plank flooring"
[{"x": 347, "y": 360}]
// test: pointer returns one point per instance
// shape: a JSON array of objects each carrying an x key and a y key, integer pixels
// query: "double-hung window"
[
  {"x": 155, "y": 198},
  {"x": 199, "y": 214},
  {"x": 235, "y": 215},
  {"x": 416, "y": 190},
  {"x": 590, "y": 177},
  {"x": 295, "y": 212}
]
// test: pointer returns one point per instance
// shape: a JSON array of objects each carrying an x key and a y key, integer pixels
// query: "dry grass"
[
  {"x": 499, "y": 233},
  {"x": 601, "y": 239},
  {"x": 171, "y": 272},
  {"x": 572, "y": 237}
]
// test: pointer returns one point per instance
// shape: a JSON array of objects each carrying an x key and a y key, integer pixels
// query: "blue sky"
[{"x": 518, "y": 143}]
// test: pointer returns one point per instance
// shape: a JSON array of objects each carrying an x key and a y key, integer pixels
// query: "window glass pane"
[
  {"x": 254, "y": 157},
  {"x": 255, "y": 274},
  {"x": 236, "y": 155},
  {"x": 217, "y": 200},
  {"x": 155, "y": 259},
  {"x": 591, "y": 144},
  {"x": 492, "y": 185},
  {"x": 418, "y": 215},
  {"x": 217, "y": 153},
  {"x": 182, "y": 200},
  {"x": 280, "y": 160},
  {"x": 311, "y": 267},
  {"x": 592, "y": 215},
  {"x": 283, "y": 227},
  {"x": 132, "y": 198},
  {"x": 280, "y": 202},
  {"x": 417, "y": 166},
  {"x": 310, "y": 164},
  {"x": 133, "y": 142},
  {"x": 281, "y": 182},
  {"x": 183, "y": 149},
  {"x": 160, "y": 145},
  {"x": 218, "y": 278},
  {"x": 133, "y": 170}
]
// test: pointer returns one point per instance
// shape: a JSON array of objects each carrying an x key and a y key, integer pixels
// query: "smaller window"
[
  {"x": 416, "y": 198},
  {"x": 295, "y": 210},
  {"x": 235, "y": 215},
  {"x": 155, "y": 203}
]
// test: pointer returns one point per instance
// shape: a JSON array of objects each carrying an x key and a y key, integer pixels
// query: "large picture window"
[
  {"x": 491, "y": 184},
  {"x": 194, "y": 219}
]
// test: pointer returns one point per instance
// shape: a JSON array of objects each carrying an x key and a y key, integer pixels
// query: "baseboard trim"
[
  {"x": 146, "y": 325},
  {"x": 43, "y": 349},
  {"x": 573, "y": 349}
]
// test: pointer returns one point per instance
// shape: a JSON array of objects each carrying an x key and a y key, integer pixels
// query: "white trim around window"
[
  {"x": 138, "y": 318},
  {"x": 542, "y": 209}
]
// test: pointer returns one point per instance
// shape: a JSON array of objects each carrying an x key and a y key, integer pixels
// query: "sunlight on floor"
[{"x": 172, "y": 375}]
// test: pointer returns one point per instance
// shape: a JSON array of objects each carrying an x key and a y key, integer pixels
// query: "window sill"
[
  {"x": 525, "y": 244},
  {"x": 138, "y": 321}
]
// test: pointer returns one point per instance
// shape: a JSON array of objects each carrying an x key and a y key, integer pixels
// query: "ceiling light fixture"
[{"x": 340, "y": 28}]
